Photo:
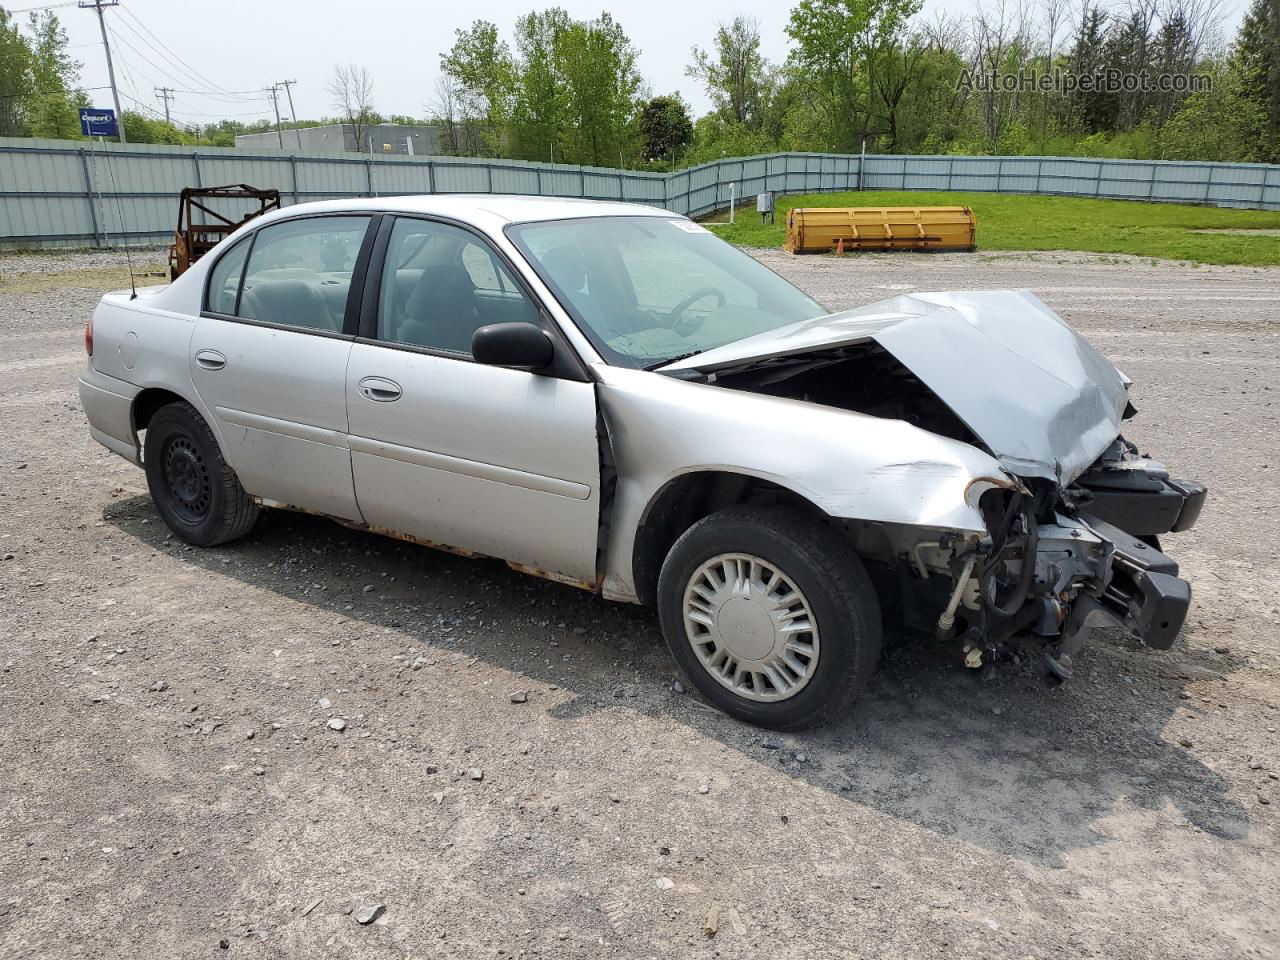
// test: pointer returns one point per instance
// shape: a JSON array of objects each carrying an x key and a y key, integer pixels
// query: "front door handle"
[
  {"x": 210, "y": 359},
  {"x": 379, "y": 389}
]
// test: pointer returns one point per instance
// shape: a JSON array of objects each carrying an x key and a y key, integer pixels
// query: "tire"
[
  {"x": 196, "y": 492},
  {"x": 836, "y": 600}
]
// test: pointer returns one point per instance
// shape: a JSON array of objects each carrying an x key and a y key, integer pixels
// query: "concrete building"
[{"x": 339, "y": 137}]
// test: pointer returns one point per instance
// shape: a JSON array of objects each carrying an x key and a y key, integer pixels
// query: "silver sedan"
[{"x": 609, "y": 396}]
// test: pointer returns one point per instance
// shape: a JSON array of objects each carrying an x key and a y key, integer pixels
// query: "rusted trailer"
[{"x": 193, "y": 240}]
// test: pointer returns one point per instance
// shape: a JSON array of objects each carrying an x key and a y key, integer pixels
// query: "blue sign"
[{"x": 97, "y": 122}]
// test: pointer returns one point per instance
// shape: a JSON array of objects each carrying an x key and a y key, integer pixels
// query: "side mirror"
[{"x": 520, "y": 346}]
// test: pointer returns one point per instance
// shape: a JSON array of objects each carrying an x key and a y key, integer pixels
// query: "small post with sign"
[{"x": 98, "y": 122}]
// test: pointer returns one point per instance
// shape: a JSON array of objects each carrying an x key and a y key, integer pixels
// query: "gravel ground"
[{"x": 172, "y": 783}]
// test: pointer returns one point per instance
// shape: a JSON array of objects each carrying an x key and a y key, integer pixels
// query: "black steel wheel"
[{"x": 193, "y": 487}]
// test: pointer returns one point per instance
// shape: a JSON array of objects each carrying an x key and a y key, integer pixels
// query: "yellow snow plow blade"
[{"x": 819, "y": 229}]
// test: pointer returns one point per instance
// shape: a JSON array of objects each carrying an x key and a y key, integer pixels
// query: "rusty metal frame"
[{"x": 194, "y": 240}]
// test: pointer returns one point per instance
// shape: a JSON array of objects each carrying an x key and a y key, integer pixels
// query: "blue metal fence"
[{"x": 55, "y": 192}]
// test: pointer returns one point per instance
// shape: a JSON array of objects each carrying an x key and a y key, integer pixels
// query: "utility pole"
[
  {"x": 288, "y": 92},
  {"x": 273, "y": 92},
  {"x": 97, "y": 6},
  {"x": 166, "y": 94}
]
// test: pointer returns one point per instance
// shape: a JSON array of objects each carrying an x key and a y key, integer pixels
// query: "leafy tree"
[
  {"x": 1219, "y": 124},
  {"x": 1257, "y": 64},
  {"x": 837, "y": 42},
  {"x": 602, "y": 84},
  {"x": 735, "y": 74},
  {"x": 484, "y": 71},
  {"x": 541, "y": 92},
  {"x": 664, "y": 126},
  {"x": 52, "y": 108},
  {"x": 15, "y": 77}
]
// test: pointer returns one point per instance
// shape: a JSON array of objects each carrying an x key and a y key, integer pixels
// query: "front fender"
[{"x": 849, "y": 465}]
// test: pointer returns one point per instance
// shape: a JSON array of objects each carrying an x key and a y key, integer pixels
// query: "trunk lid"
[{"x": 1043, "y": 400}]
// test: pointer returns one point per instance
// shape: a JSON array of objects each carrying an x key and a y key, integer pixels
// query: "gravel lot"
[{"x": 171, "y": 785}]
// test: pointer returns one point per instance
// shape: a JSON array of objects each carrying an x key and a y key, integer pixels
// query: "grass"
[{"x": 1015, "y": 222}]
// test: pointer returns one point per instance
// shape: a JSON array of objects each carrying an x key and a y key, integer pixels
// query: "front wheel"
[
  {"x": 771, "y": 616},
  {"x": 196, "y": 492}
]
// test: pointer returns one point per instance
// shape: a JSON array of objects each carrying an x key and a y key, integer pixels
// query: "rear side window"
[
  {"x": 224, "y": 280},
  {"x": 298, "y": 274}
]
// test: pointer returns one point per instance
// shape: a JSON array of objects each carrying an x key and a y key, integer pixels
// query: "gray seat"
[
  {"x": 294, "y": 303},
  {"x": 441, "y": 311}
]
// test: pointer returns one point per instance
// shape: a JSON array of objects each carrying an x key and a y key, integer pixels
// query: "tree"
[
  {"x": 836, "y": 41},
  {"x": 601, "y": 87},
  {"x": 15, "y": 78},
  {"x": 484, "y": 73},
  {"x": 445, "y": 113},
  {"x": 664, "y": 126},
  {"x": 736, "y": 76},
  {"x": 541, "y": 92},
  {"x": 352, "y": 90},
  {"x": 1257, "y": 64},
  {"x": 52, "y": 106}
]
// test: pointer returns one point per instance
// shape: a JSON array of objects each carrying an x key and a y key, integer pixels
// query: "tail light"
[{"x": 88, "y": 336}]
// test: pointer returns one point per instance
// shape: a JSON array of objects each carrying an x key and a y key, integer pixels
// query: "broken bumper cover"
[
  {"x": 1141, "y": 592},
  {"x": 1171, "y": 507}
]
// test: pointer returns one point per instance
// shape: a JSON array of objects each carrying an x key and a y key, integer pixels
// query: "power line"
[
  {"x": 200, "y": 78},
  {"x": 168, "y": 74}
]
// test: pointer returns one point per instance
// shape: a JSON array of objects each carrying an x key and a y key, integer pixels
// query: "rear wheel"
[
  {"x": 771, "y": 616},
  {"x": 196, "y": 492}
]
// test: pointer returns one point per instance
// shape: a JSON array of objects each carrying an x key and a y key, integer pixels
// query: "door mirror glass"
[{"x": 520, "y": 346}]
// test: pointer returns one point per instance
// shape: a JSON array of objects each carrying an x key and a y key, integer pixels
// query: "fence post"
[
  {"x": 582, "y": 182},
  {"x": 999, "y": 173},
  {"x": 488, "y": 167},
  {"x": 622, "y": 190},
  {"x": 1097, "y": 181},
  {"x": 368, "y": 169},
  {"x": 1262, "y": 188},
  {"x": 1039, "y": 166},
  {"x": 293, "y": 173},
  {"x": 195, "y": 162},
  {"x": 88, "y": 195},
  {"x": 1151, "y": 184},
  {"x": 1208, "y": 181},
  {"x": 431, "y": 177},
  {"x": 538, "y": 171},
  {"x": 951, "y": 165}
]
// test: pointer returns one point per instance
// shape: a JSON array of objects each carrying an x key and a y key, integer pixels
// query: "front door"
[
  {"x": 496, "y": 461},
  {"x": 269, "y": 360}
]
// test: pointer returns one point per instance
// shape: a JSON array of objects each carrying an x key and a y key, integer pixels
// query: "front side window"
[
  {"x": 299, "y": 272},
  {"x": 646, "y": 290},
  {"x": 440, "y": 284}
]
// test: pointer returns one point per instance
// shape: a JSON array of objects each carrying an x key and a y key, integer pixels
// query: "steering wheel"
[{"x": 674, "y": 318}]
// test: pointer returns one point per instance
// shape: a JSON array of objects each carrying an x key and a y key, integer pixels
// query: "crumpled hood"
[{"x": 1043, "y": 400}]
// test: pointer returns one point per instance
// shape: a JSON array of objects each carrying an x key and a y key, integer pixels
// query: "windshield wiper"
[{"x": 676, "y": 359}]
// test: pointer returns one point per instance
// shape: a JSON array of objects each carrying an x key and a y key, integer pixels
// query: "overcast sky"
[{"x": 242, "y": 46}]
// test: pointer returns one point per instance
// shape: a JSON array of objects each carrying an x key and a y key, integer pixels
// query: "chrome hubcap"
[{"x": 751, "y": 627}]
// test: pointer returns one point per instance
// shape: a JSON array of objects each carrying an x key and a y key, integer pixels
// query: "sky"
[{"x": 220, "y": 57}]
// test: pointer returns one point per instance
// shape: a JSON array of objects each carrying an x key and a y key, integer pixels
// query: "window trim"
[
  {"x": 351, "y": 315},
  {"x": 566, "y": 365}
]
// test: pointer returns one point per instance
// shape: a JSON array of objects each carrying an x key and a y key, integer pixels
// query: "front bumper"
[{"x": 1144, "y": 593}]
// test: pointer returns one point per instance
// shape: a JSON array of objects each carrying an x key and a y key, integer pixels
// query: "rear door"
[
  {"x": 496, "y": 461},
  {"x": 269, "y": 358}
]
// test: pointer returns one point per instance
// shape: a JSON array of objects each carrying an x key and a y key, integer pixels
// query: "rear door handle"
[
  {"x": 379, "y": 389},
  {"x": 210, "y": 359}
]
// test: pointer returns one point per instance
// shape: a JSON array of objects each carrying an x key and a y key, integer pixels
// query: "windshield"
[{"x": 647, "y": 290}]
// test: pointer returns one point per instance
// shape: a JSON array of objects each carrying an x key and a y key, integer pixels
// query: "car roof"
[{"x": 497, "y": 209}]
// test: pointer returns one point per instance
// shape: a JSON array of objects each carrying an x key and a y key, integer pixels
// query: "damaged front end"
[{"x": 1071, "y": 527}]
